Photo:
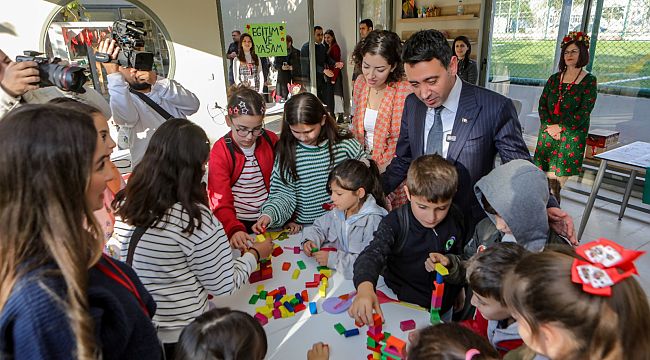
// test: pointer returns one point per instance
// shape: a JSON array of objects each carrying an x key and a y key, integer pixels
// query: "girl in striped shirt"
[
  {"x": 239, "y": 169},
  {"x": 310, "y": 146},
  {"x": 183, "y": 252}
]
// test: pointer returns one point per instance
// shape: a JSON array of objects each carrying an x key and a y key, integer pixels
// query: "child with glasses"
[{"x": 239, "y": 169}]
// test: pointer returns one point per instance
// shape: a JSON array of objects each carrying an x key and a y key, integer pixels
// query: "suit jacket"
[{"x": 486, "y": 124}]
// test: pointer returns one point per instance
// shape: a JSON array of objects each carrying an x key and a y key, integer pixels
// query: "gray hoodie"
[
  {"x": 350, "y": 236},
  {"x": 518, "y": 191}
]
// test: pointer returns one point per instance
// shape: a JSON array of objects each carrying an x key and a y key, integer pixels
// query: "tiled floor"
[{"x": 633, "y": 231}]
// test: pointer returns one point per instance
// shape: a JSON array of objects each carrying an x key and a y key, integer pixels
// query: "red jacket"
[{"x": 223, "y": 174}]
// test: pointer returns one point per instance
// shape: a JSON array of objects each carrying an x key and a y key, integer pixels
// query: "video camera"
[
  {"x": 129, "y": 35},
  {"x": 68, "y": 78}
]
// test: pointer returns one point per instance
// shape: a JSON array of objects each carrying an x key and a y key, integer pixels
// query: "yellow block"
[
  {"x": 322, "y": 291},
  {"x": 269, "y": 300},
  {"x": 296, "y": 274},
  {"x": 260, "y": 238},
  {"x": 326, "y": 272},
  {"x": 324, "y": 282},
  {"x": 284, "y": 312},
  {"x": 441, "y": 269},
  {"x": 260, "y": 288}
]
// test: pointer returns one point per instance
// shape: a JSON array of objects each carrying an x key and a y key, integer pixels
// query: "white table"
[
  {"x": 290, "y": 338},
  {"x": 634, "y": 156}
]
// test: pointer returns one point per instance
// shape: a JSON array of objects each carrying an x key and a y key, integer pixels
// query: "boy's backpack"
[
  {"x": 403, "y": 219},
  {"x": 231, "y": 148}
]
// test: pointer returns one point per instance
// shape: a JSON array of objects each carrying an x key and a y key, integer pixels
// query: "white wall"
[{"x": 195, "y": 37}]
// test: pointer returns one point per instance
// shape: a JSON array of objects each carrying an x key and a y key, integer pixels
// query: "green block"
[
  {"x": 314, "y": 250},
  {"x": 386, "y": 335},
  {"x": 294, "y": 302},
  {"x": 263, "y": 294},
  {"x": 371, "y": 342},
  {"x": 435, "y": 317},
  {"x": 339, "y": 328},
  {"x": 388, "y": 356},
  {"x": 253, "y": 299},
  {"x": 319, "y": 268},
  {"x": 301, "y": 265}
]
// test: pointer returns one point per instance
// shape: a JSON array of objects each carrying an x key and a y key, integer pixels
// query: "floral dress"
[{"x": 564, "y": 156}]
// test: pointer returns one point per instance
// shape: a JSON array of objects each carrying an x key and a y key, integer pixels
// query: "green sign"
[{"x": 269, "y": 39}]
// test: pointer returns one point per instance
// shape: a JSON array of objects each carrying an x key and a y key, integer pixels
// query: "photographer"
[
  {"x": 133, "y": 111},
  {"x": 19, "y": 84}
]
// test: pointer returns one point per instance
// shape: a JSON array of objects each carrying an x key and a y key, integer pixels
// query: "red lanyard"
[
  {"x": 121, "y": 279},
  {"x": 556, "y": 109}
]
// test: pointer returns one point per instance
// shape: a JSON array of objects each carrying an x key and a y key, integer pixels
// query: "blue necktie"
[{"x": 434, "y": 138}]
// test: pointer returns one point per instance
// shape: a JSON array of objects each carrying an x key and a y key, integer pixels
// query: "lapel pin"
[
  {"x": 451, "y": 138},
  {"x": 464, "y": 120}
]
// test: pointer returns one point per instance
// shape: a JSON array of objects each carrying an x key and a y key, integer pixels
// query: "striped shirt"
[
  {"x": 306, "y": 195},
  {"x": 180, "y": 269},
  {"x": 249, "y": 192}
]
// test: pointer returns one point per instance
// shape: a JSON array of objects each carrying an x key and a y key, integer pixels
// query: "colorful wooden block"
[
  {"x": 396, "y": 346},
  {"x": 407, "y": 325},
  {"x": 296, "y": 250},
  {"x": 326, "y": 272},
  {"x": 282, "y": 290},
  {"x": 311, "y": 284},
  {"x": 301, "y": 265},
  {"x": 313, "y": 308},
  {"x": 351, "y": 332},
  {"x": 339, "y": 328},
  {"x": 304, "y": 295},
  {"x": 260, "y": 288},
  {"x": 441, "y": 269},
  {"x": 277, "y": 314},
  {"x": 262, "y": 294},
  {"x": 269, "y": 300},
  {"x": 314, "y": 250},
  {"x": 298, "y": 308},
  {"x": 277, "y": 251},
  {"x": 296, "y": 274},
  {"x": 253, "y": 299},
  {"x": 286, "y": 266},
  {"x": 261, "y": 318}
]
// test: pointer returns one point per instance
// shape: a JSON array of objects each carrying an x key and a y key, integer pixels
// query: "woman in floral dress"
[{"x": 564, "y": 110}]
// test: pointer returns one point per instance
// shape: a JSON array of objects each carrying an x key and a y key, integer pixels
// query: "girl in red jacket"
[{"x": 239, "y": 169}]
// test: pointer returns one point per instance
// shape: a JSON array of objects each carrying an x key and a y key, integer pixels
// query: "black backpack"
[{"x": 231, "y": 148}]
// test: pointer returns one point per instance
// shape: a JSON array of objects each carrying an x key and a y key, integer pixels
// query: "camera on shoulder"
[
  {"x": 67, "y": 78},
  {"x": 129, "y": 35}
]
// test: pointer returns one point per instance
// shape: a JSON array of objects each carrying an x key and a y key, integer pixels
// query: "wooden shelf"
[{"x": 441, "y": 18}]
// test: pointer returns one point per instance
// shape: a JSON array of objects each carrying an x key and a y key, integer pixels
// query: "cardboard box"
[{"x": 599, "y": 141}]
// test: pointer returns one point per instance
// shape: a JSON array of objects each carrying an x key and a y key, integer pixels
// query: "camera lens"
[{"x": 68, "y": 78}]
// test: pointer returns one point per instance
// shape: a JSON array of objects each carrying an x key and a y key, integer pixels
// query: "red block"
[
  {"x": 305, "y": 296},
  {"x": 376, "y": 321},
  {"x": 407, "y": 325},
  {"x": 255, "y": 277},
  {"x": 379, "y": 336},
  {"x": 273, "y": 293},
  {"x": 277, "y": 251},
  {"x": 267, "y": 271},
  {"x": 286, "y": 266},
  {"x": 311, "y": 284},
  {"x": 298, "y": 308}
]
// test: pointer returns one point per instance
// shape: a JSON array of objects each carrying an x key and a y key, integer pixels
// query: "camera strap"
[{"x": 152, "y": 104}]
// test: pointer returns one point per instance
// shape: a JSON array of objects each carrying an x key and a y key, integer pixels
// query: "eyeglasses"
[
  {"x": 243, "y": 132},
  {"x": 572, "y": 52}
]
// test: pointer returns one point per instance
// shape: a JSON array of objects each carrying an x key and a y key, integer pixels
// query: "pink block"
[
  {"x": 282, "y": 290},
  {"x": 261, "y": 318},
  {"x": 296, "y": 250},
  {"x": 277, "y": 314},
  {"x": 407, "y": 325}
]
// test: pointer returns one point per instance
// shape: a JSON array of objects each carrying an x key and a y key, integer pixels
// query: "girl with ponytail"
[
  {"x": 580, "y": 305},
  {"x": 56, "y": 302},
  {"x": 358, "y": 207}
]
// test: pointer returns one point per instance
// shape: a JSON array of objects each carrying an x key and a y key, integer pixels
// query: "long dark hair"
[
  {"x": 46, "y": 161},
  {"x": 330, "y": 32},
  {"x": 465, "y": 61},
  {"x": 170, "y": 172},
  {"x": 222, "y": 333},
  {"x": 386, "y": 44},
  {"x": 353, "y": 175},
  {"x": 241, "y": 56},
  {"x": 304, "y": 108}
]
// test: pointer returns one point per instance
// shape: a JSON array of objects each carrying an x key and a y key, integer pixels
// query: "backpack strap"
[
  {"x": 133, "y": 243},
  {"x": 404, "y": 223},
  {"x": 231, "y": 148},
  {"x": 266, "y": 137}
]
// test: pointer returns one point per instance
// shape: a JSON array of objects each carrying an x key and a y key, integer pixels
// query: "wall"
[{"x": 198, "y": 54}]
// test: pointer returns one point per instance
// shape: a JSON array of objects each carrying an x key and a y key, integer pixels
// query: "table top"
[
  {"x": 290, "y": 338},
  {"x": 636, "y": 154}
]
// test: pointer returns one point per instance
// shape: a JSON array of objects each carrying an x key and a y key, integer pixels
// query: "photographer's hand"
[
  {"x": 110, "y": 47},
  {"x": 20, "y": 77}
]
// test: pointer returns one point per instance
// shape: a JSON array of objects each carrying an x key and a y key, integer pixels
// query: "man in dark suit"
[
  {"x": 321, "y": 60},
  {"x": 466, "y": 124}
]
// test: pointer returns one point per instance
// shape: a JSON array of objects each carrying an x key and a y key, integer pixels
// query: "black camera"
[
  {"x": 68, "y": 78},
  {"x": 129, "y": 36}
]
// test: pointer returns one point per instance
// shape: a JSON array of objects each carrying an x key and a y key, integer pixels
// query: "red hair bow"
[{"x": 607, "y": 263}]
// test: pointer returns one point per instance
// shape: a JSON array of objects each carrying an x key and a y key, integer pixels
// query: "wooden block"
[
  {"x": 298, "y": 308},
  {"x": 311, "y": 284},
  {"x": 441, "y": 269},
  {"x": 301, "y": 265},
  {"x": 296, "y": 250},
  {"x": 260, "y": 288},
  {"x": 313, "y": 308},
  {"x": 277, "y": 251},
  {"x": 351, "y": 332},
  {"x": 396, "y": 346},
  {"x": 286, "y": 266},
  {"x": 282, "y": 290},
  {"x": 277, "y": 314},
  {"x": 305, "y": 295},
  {"x": 339, "y": 328},
  {"x": 407, "y": 325},
  {"x": 261, "y": 318},
  {"x": 296, "y": 274},
  {"x": 269, "y": 300},
  {"x": 327, "y": 273},
  {"x": 263, "y": 294},
  {"x": 253, "y": 299}
]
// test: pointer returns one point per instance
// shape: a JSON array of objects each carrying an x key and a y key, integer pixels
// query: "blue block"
[
  {"x": 351, "y": 332},
  {"x": 278, "y": 297},
  {"x": 299, "y": 297},
  {"x": 288, "y": 306},
  {"x": 439, "y": 278},
  {"x": 312, "y": 308}
]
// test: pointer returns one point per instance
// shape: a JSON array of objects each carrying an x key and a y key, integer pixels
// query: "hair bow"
[
  {"x": 469, "y": 355},
  {"x": 606, "y": 264},
  {"x": 576, "y": 36}
]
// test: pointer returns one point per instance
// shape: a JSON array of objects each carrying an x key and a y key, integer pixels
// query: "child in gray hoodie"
[
  {"x": 358, "y": 200},
  {"x": 514, "y": 196}
]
